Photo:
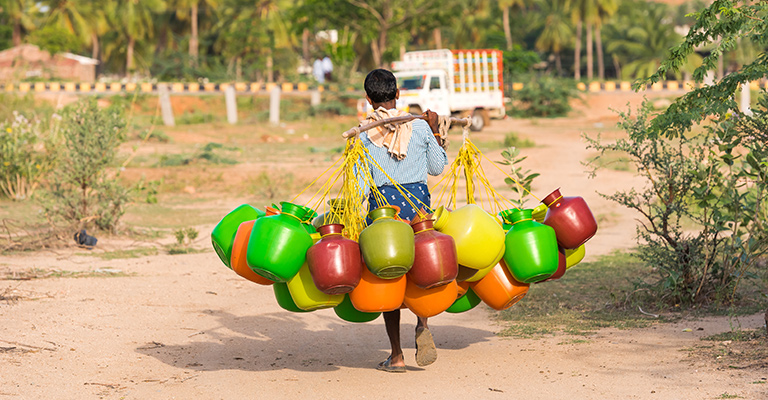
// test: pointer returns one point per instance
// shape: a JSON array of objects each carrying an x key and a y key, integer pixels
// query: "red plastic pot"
[
  {"x": 435, "y": 262},
  {"x": 335, "y": 261},
  {"x": 571, "y": 219}
]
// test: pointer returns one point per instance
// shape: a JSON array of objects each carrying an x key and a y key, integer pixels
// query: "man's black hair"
[{"x": 380, "y": 85}]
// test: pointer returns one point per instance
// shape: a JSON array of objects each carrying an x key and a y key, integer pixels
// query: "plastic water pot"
[
  {"x": 464, "y": 303},
  {"x": 531, "y": 249},
  {"x": 499, "y": 290},
  {"x": 387, "y": 245},
  {"x": 239, "y": 254},
  {"x": 223, "y": 235},
  {"x": 374, "y": 294},
  {"x": 574, "y": 256},
  {"x": 335, "y": 261},
  {"x": 307, "y": 296},
  {"x": 479, "y": 237},
  {"x": 430, "y": 302},
  {"x": 435, "y": 263},
  {"x": 571, "y": 219},
  {"x": 347, "y": 311},
  {"x": 278, "y": 245},
  {"x": 284, "y": 299}
]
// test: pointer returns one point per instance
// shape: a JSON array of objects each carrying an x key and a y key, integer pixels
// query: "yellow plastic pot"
[
  {"x": 306, "y": 295},
  {"x": 574, "y": 256},
  {"x": 479, "y": 237}
]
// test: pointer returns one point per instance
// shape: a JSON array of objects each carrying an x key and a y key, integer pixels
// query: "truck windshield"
[{"x": 410, "y": 82}]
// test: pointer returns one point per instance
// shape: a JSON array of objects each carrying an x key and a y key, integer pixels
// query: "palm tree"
[
  {"x": 254, "y": 31},
  {"x": 640, "y": 37},
  {"x": 189, "y": 9},
  {"x": 556, "y": 30},
  {"x": 135, "y": 18},
  {"x": 605, "y": 9},
  {"x": 20, "y": 13},
  {"x": 583, "y": 13},
  {"x": 505, "y": 6},
  {"x": 83, "y": 18}
]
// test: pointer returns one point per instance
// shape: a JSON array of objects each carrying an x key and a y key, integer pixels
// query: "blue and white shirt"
[{"x": 424, "y": 157}]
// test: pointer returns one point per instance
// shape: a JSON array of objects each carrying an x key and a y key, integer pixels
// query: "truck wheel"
[
  {"x": 478, "y": 121},
  {"x": 414, "y": 110}
]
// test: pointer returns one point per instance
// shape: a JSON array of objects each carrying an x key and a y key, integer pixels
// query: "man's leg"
[
  {"x": 392, "y": 323},
  {"x": 426, "y": 353}
]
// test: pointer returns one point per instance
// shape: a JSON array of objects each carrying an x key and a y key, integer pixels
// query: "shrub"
[
  {"x": 714, "y": 182},
  {"x": 82, "y": 191},
  {"x": 26, "y": 157},
  {"x": 543, "y": 96}
]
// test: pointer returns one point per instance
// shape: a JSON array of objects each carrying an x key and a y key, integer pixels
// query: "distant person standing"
[
  {"x": 327, "y": 68},
  {"x": 318, "y": 71}
]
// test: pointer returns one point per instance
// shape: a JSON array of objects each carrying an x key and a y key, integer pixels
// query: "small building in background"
[{"x": 28, "y": 61}]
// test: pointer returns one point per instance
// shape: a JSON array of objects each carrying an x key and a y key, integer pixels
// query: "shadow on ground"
[{"x": 283, "y": 340}]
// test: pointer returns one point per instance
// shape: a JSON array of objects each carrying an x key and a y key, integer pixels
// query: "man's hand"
[{"x": 431, "y": 118}]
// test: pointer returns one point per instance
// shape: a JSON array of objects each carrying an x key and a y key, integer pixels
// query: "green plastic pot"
[
  {"x": 223, "y": 235},
  {"x": 278, "y": 245},
  {"x": 464, "y": 303},
  {"x": 530, "y": 248},
  {"x": 387, "y": 245},
  {"x": 346, "y": 311}
]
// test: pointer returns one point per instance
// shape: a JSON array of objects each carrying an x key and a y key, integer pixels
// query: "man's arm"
[{"x": 436, "y": 157}]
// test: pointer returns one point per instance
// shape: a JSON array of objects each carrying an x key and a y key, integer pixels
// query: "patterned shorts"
[{"x": 418, "y": 194}]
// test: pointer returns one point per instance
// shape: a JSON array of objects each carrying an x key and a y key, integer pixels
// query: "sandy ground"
[{"x": 187, "y": 327}]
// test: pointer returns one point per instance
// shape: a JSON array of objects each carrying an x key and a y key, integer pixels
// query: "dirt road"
[{"x": 187, "y": 327}]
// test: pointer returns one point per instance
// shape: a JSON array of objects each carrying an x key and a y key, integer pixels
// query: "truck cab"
[{"x": 423, "y": 90}]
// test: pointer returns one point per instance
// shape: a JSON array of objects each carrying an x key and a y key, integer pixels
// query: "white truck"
[{"x": 452, "y": 82}]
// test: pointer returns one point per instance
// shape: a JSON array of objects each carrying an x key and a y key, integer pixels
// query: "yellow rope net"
[{"x": 342, "y": 196}]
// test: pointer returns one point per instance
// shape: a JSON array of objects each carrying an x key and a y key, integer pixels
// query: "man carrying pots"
[{"x": 407, "y": 153}]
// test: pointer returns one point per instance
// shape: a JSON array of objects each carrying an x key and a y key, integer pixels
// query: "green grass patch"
[
  {"x": 586, "y": 299},
  {"x": 737, "y": 335},
  {"x": 41, "y": 273},
  {"x": 512, "y": 139},
  {"x": 122, "y": 254}
]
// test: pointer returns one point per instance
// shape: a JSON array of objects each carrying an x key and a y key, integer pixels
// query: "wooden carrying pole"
[{"x": 397, "y": 120}]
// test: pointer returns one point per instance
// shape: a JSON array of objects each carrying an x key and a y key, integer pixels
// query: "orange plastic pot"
[
  {"x": 429, "y": 302},
  {"x": 462, "y": 287},
  {"x": 239, "y": 253},
  {"x": 499, "y": 290},
  {"x": 374, "y": 294}
]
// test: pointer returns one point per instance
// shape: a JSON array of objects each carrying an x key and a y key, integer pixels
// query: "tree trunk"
[
  {"x": 558, "y": 64},
  {"x": 95, "y": 48},
  {"x": 402, "y": 50},
  {"x": 590, "y": 59},
  {"x": 270, "y": 67},
  {"x": 375, "y": 53},
  {"x": 617, "y": 66},
  {"x": 577, "y": 53},
  {"x": 600, "y": 61},
  {"x": 239, "y": 69},
  {"x": 129, "y": 67},
  {"x": 193, "y": 40},
  {"x": 16, "y": 33},
  {"x": 305, "y": 46},
  {"x": 438, "y": 38},
  {"x": 382, "y": 46},
  {"x": 507, "y": 30}
]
